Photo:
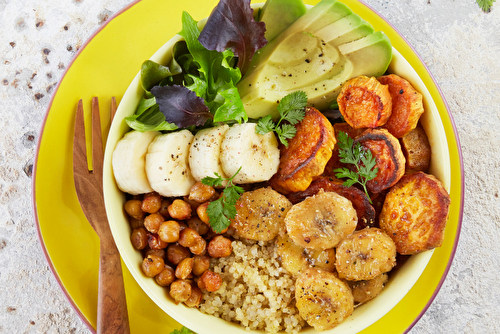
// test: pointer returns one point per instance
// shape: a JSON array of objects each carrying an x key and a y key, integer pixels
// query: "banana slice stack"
[{"x": 171, "y": 163}]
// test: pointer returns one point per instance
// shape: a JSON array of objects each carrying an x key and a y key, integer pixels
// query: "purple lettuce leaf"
[
  {"x": 181, "y": 106},
  {"x": 231, "y": 25}
]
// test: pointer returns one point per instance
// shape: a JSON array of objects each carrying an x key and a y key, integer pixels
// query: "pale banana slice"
[
  {"x": 257, "y": 155},
  {"x": 204, "y": 153},
  {"x": 128, "y": 162},
  {"x": 167, "y": 165}
]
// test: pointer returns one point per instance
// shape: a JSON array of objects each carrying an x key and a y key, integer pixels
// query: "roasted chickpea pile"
[{"x": 177, "y": 242}]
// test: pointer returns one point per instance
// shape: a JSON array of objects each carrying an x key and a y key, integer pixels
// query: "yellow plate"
[{"x": 104, "y": 67}]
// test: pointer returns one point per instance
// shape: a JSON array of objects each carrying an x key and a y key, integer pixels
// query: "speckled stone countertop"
[{"x": 459, "y": 43}]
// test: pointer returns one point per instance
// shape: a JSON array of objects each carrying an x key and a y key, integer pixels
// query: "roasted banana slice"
[
  {"x": 322, "y": 299},
  {"x": 321, "y": 221},
  {"x": 129, "y": 159},
  {"x": 260, "y": 214},
  {"x": 365, "y": 254},
  {"x": 363, "y": 291}
]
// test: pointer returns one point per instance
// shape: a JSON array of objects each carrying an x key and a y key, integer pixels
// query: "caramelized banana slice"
[
  {"x": 306, "y": 155},
  {"x": 260, "y": 214},
  {"x": 407, "y": 105},
  {"x": 322, "y": 299},
  {"x": 321, "y": 221},
  {"x": 365, "y": 103},
  {"x": 415, "y": 212},
  {"x": 365, "y": 254},
  {"x": 390, "y": 159},
  {"x": 295, "y": 258},
  {"x": 363, "y": 291},
  {"x": 359, "y": 200}
]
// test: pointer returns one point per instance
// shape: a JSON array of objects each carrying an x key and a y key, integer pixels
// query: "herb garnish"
[
  {"x": 183, "y": 330},
  {"x": 485, "y": 5},
  {"x": 291, "y": 109},
  {"x": 361, "y": 157},
  {"x": 223, "y": 209}
]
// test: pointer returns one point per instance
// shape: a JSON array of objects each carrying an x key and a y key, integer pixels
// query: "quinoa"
[{"x": 256, "y": 291}]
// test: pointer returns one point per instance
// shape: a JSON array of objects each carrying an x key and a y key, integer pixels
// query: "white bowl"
[{"x": 400, "y": 282}]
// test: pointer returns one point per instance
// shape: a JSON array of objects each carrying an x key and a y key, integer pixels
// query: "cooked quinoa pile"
[{"x": 256, "y": 291}]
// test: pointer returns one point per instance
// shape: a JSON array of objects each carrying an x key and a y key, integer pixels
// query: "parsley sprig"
[
  {"x": 183, "y": 330},
  {"x": 485, "y": 5},
  {"x": 223, "y": 209},
  {"x": 360, "y": 157},
  {"x": 292, "y": 110}
]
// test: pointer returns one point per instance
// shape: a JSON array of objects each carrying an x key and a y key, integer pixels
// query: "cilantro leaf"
[
  {"x": 485, "y": 5},
  {"x": 358, "y": 156},
  {"x": 223, "y": 209},
  {"x": 183, "y": 330},
  {"x": 292, "y": 110}
]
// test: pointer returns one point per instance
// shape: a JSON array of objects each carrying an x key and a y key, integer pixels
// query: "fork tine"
[
  {"x": 97, "y": 149},
  {"x": 80, "y": 164}
]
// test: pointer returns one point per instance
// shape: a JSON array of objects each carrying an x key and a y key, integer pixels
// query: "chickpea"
[
  {"x": 201, "y": 263},
  {"x": 139, "y": 238},
  {"x": 177, "y": 253},
  {"x": 152, "y": 265},
  {"x": 200, "y": 247},
  {"x": 153, "y": 221},
  {"x": 200, "y": 192},
  {"x": 210, "y": 281},
  {"x": 192, "y": 203},
  {"x": 155, "y": 242},
  {"x": 133, "y": 209},
  {"x": 219, "y": 247},
  {"x": 180, "y": 291},
  {"x": 164, "y": 208},
  {"x": 184, "y": 268},
  {"x": 202, "y": 213},
  {"x": 151, "y": 203},
  {"x": 158, "y": 252},
  {"x": 169, "y": 231},
  {"x": 135, "y": 223},
  {"x": 166, "y": 276},
  {"x": 188, "y": 237},
  {"x": 195, "y": 299},
  {"x": 196, "y": 224},
  {"x": 182, "y": 225},
  {"x": 179, "y": 209}
]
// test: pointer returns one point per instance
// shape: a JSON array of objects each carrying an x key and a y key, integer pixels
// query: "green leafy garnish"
[
  {"x": 358, "y": 156},
  {"x": 485, "y": 5},
  {"x": 222, "y": 210},
  {"x": 292, "y": 110},
  {"x": 183, "y": 330}
]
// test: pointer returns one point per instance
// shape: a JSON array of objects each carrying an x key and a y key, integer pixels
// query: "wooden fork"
[{"x": 112, "y": 316}]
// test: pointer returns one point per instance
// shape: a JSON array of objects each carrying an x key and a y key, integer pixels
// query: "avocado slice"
[
  {"x": 315, "y": 57},
  {"x": 279, "y": 15}
]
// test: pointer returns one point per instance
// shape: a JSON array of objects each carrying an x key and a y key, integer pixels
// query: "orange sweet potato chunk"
[
  {"x": 307, "y": 153},
  {"x": 365, "y": 103}
]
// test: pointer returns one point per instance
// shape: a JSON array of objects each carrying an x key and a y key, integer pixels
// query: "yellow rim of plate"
[{"x": 104, "y": 67}]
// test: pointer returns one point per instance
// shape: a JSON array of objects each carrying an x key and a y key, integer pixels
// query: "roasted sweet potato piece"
[
  {"x": 306, "y": 155},
  {"x": 388, "y": 155},
  {"x": 415, "y": 212},
  {"x": 417, "y": 151},
  {"x": 334, "y": 161},
  {"x": 365, "y": 103},
  {"x": 360, "y": 202},
  {"x": 407, "y": 105}
]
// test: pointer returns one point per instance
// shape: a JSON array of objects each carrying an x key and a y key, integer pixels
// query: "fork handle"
[{"x": 112, "y": 315}]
